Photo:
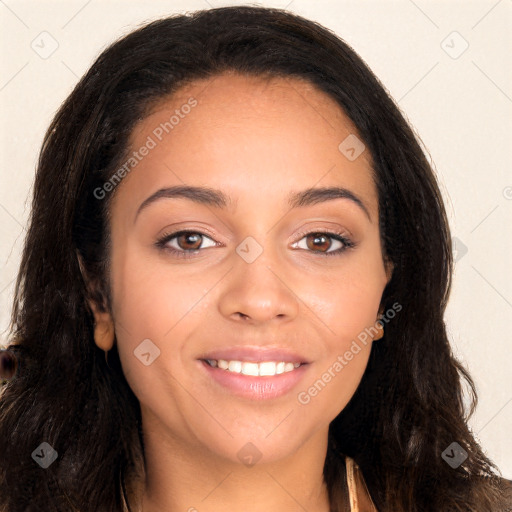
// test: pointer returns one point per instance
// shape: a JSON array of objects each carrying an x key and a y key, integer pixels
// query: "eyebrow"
[{"x": 218, "y": 199}]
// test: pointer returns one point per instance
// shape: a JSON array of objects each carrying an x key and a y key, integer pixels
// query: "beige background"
[{"x": 458, "y": 99}]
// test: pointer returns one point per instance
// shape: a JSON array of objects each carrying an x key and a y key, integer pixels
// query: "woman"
[{"x": 294, "y": 356}]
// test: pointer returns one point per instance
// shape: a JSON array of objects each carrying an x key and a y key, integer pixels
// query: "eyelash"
[{"x": 166, "y": 237}]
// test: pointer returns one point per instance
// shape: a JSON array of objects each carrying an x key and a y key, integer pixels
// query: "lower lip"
[{"x": 256, "y": 388}]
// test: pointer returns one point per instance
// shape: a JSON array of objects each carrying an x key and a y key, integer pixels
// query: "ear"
[
  {"x": 103, "y": 322},
  {"x": 389, "y": 267},
  {"x": 380, "y": 329},
  {"x": 103, "y": 327}
]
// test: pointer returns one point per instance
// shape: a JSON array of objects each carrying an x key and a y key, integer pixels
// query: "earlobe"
[
  {"x": 103, "y": 323},
  {"x": 380, "y": 328},
  {"x": 103, "y": 327},
  {"x": 389, "y": 269}
]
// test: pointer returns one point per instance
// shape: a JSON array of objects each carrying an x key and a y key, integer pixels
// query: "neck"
[{"x": 185, "y": 476}]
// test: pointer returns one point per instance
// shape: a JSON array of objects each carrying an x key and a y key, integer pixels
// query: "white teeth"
[
  {"x": 235, "y": 366},
  {"x": 267, "y": 368},
  {"x": 250, "y": 369},
  {"x": 288, "y": 367}
]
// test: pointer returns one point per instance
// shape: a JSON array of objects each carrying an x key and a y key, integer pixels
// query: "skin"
[{"x": 257, "y": 141}]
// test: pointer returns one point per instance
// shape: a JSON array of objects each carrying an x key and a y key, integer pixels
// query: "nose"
[{"x": 258, "y": 292}]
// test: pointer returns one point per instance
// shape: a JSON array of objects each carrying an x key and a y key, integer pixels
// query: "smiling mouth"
[{"x": 263, "y": 369}]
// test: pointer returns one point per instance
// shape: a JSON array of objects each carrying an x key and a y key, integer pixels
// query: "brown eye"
[
  {"x": 321, "y": 243},
  {"x": 318, "y": 241},
  {"x": 182, "y": 243},
  {"x": 189, "y": 241}
]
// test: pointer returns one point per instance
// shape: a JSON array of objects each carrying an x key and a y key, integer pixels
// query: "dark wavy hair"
[{"x": 409, "y": 405}]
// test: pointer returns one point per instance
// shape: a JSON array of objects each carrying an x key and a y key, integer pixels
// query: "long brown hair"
[{"x": 408, "y": 408}]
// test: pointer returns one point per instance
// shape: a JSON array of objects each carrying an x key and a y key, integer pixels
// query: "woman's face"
[{"x": 257, "y": 279}]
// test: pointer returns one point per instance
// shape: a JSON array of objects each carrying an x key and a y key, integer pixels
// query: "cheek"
[
  {"x": 335, "y": 377},
  {"x": 149, "y": 297},
  {"x": 346, "y": 307},
  {"x": 145, "y": 308},
  {"x": 345, "y": 302},
  {"x": 334, "y": 382}
]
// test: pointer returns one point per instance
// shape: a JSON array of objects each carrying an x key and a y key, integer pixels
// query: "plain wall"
[{"x": 458, "y": 100}]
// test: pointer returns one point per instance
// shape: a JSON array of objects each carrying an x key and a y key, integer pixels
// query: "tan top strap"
[
  {"x": 351, "y": 482},
  {"x": 359, "y": 497}
]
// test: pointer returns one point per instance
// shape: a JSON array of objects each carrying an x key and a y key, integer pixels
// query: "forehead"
[{"x": 247, "y": 135}]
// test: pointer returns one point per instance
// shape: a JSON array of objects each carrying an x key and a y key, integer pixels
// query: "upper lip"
[{"x": 255, "y": 354}]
